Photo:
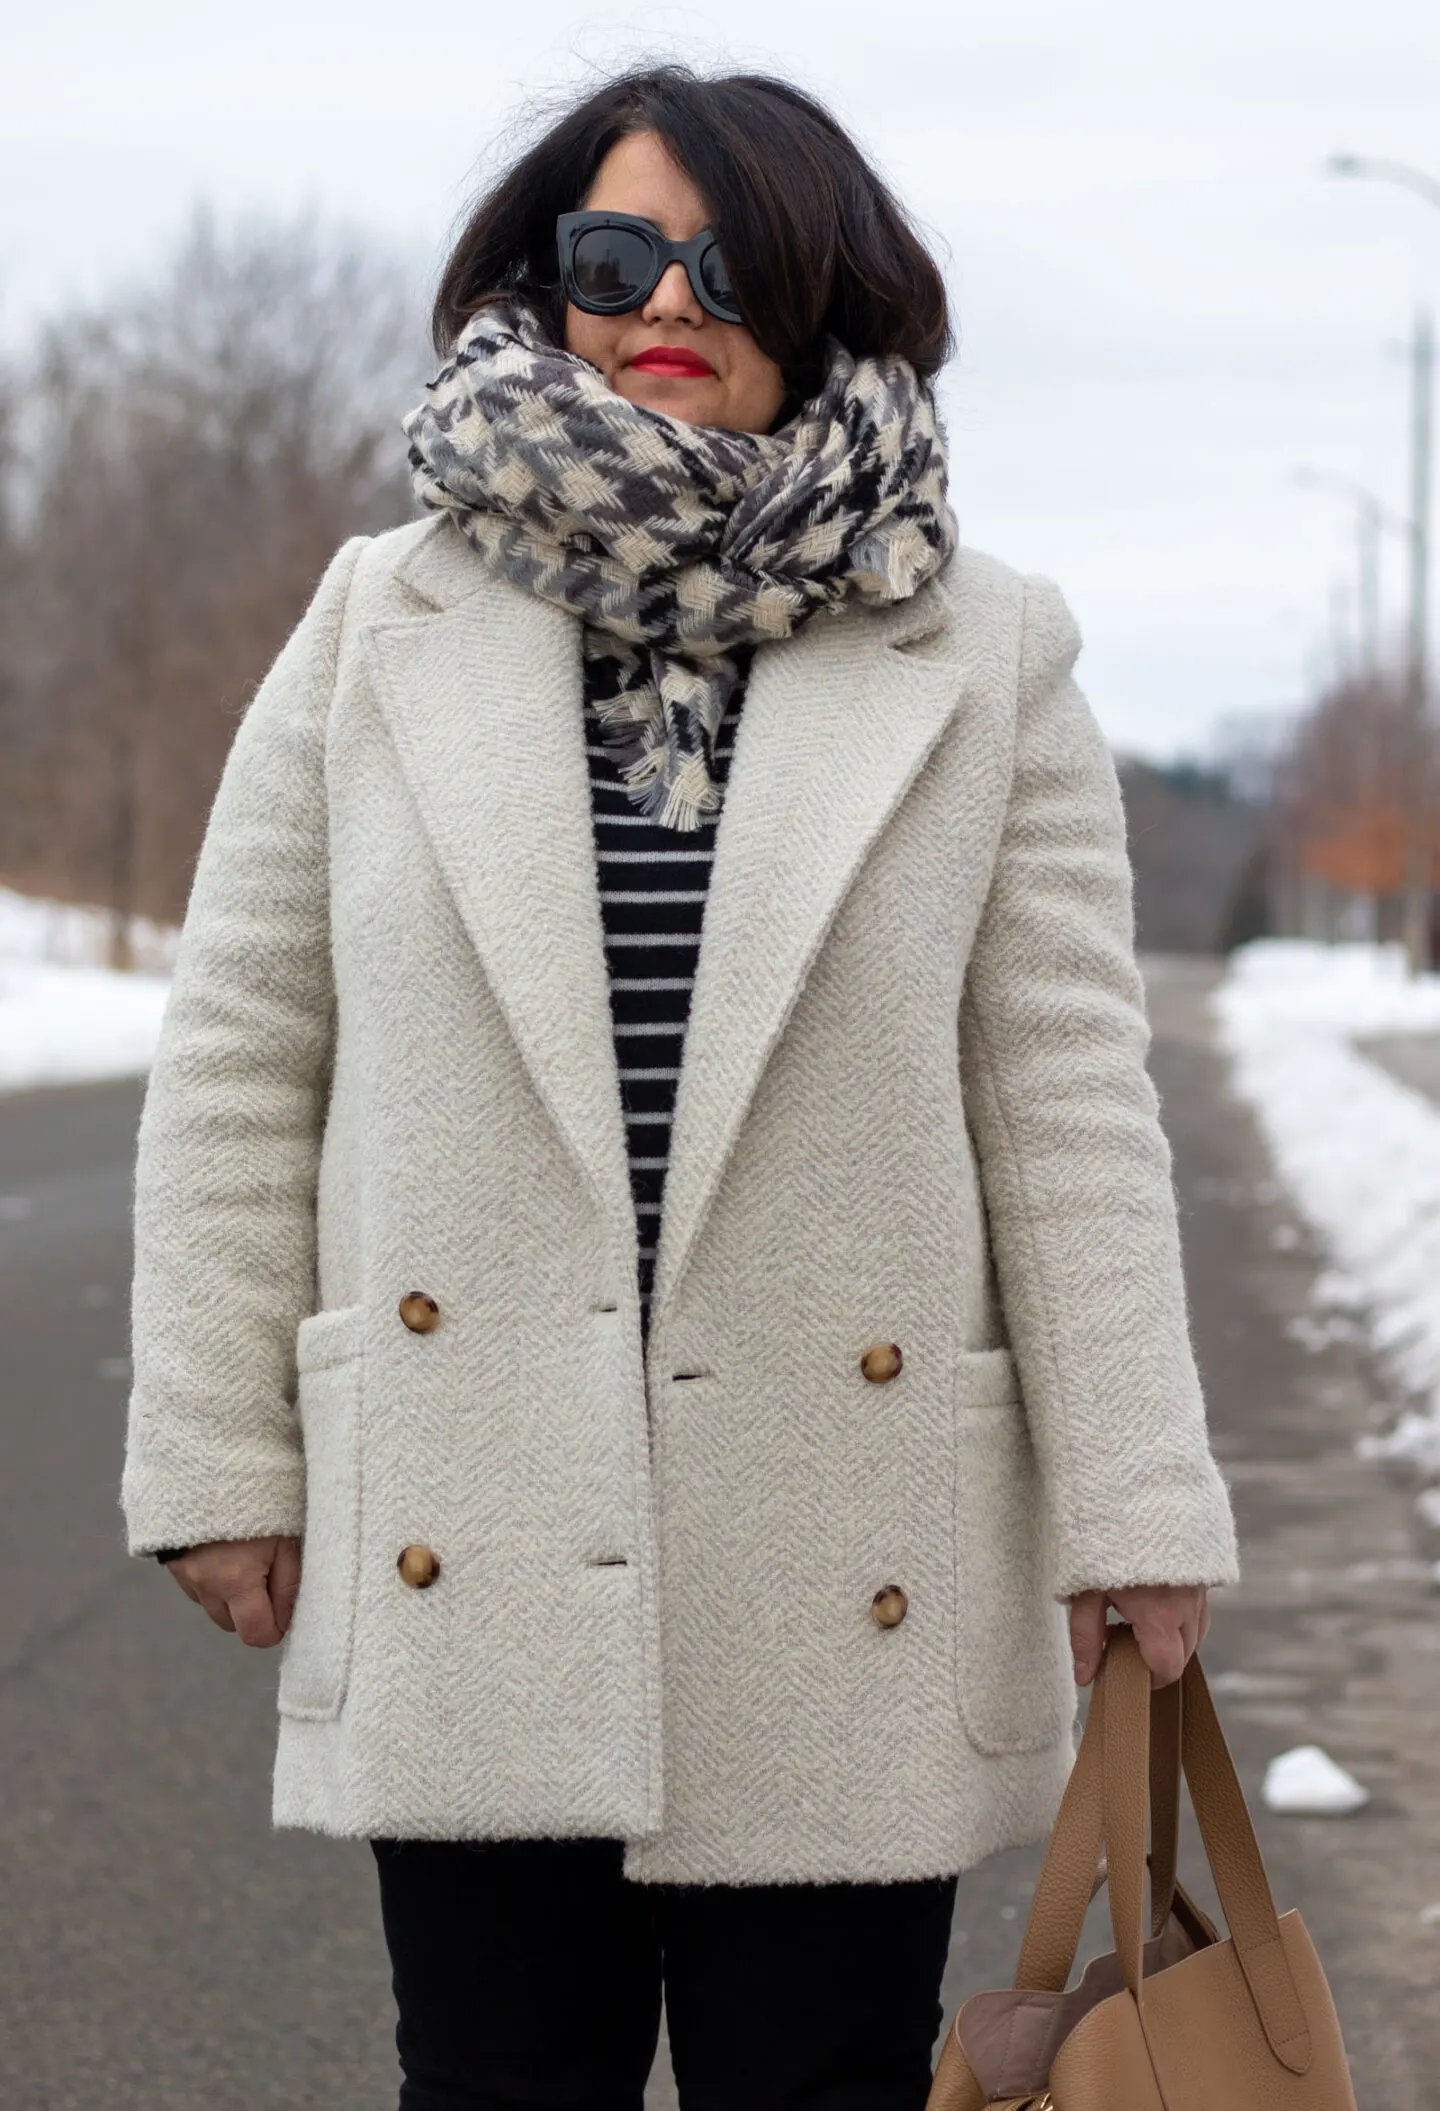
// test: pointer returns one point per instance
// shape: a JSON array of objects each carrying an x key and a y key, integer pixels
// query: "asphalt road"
[{"x": 163, "y": 1950}]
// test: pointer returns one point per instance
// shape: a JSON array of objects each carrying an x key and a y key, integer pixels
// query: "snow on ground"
[
  {"x": 1358, "y": 1151},
  {"x": 1308, "y": 1783},
  {"x": 65, "y": 1017},
  {"x": 70, "y": 935}
]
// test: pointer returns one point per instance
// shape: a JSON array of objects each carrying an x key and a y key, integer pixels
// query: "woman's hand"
[
  {"x": 1170, "y": 1620},
  {"x": 247, "y": 1586}
]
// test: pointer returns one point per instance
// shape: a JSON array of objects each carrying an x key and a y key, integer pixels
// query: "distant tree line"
[
  {"x": 177, "y": 466},
  {"x": 179, "y": 463},
  {"x": 1301, "y": 830},
  {"x": 1190, "y": 834},
  {"x": 1357, "y": 780}
]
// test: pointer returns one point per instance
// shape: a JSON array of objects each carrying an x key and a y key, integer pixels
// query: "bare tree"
[
  {"x": 190, "y": 456},
  {"x": 1345, "y": 808},
  {"x": 1190, "y": 832}
]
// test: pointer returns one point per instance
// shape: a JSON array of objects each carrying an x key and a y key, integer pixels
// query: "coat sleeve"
[
  {"x": 1075, "y": 1167},
  {"x": 230, "y": 1134}
]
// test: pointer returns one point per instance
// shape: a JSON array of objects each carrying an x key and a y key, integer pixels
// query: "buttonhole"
[
  {"x": 610, "y": 1561},
  {"x": 682, "y": 1377},
  {"x": 607, "y": 1308}
]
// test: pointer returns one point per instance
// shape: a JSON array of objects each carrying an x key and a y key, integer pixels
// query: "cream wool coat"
[{"x": 914, "y": 1108}]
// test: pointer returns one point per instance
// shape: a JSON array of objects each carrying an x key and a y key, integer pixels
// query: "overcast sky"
[{"x": 1165, "y": 307}]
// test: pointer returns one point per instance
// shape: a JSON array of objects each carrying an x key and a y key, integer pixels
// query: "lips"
[{"x": 674, "y": 361}]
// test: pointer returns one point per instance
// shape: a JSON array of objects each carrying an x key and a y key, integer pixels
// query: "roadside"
[
  {"x": 1333, "y": 1637},
  {"x": 164, "y": 1949}
]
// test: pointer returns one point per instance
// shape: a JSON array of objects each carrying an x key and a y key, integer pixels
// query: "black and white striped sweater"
[{"x": 653, "y": 885}]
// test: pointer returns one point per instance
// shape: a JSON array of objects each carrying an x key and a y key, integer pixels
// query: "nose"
[{"x": 673, "y": 299}]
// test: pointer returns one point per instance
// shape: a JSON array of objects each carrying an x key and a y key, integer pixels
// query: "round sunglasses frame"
[{"x": 569, "y": 227}]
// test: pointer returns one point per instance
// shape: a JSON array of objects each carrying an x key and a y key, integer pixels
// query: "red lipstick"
[{"x": 673, "y": 360}]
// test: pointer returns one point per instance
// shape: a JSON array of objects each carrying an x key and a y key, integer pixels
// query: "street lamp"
[
  {"x": 1383, "y": 171},
  {"x": 1372, "y": 518},
  {"x": 1422, "y": 373}
]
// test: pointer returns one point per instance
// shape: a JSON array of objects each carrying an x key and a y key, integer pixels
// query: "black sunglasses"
[{"x": 612, "y": 262}]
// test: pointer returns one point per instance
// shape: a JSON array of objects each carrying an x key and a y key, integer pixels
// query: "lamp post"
[
  {"x": 1422, "y": 386},
  {"x": 1383, "y": 171},
  {"x": 1372, "y": 518}
]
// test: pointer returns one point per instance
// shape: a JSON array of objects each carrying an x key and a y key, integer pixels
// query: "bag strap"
[
  {"x": 1225, "y": 1830},
  {"x": 1166, "y": 1724},
  {"x": 1234, "y": 1856},
  {"x": 1125, "y": 1776},
  {"x": 1073, "y": 1871},
  {"x": 1066, "y": 1883}
]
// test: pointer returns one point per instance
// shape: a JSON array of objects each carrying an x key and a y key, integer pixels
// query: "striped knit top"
[{"x": 653, "y": 884}]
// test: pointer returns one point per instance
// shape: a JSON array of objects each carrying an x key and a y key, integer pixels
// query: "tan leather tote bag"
[{"x": 1187, "y": 2021}]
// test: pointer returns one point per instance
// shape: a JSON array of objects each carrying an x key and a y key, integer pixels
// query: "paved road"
[
  {"x": 1412, "y": 1058},
  {"x": 163, "y": 1950}
]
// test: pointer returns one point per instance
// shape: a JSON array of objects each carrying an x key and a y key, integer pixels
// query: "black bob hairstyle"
[{"x": 814, "y": 240}]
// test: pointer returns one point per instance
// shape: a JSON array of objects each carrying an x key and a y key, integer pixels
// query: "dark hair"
[{"x": 814, "y": 239}]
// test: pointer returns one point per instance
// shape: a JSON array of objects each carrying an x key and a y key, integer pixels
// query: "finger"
[
  {"x": 284, "y": 1582},
  {"x": 176, "y": 1569},
  {"x": 1161, "y": 1646},
  {"x": 254, "y": 1616},
  {"x": 1197, "y": 1620},
  {"x": 218, "y": 1610},
  {"x": 1087, "y": 1634}
]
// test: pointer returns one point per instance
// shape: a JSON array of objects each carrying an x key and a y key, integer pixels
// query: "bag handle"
[
  {"x": 1066, "y": 1883},
  {"x": 1073, "y": 1872},
  {"x": 1104, "y": 1804},
  {"x": 1225, "y": 1831},
  {"x": 1234, "y": 1856},
  {"x": 1166, "y": 1732}
]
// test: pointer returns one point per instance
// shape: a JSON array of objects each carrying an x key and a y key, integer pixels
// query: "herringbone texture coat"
[{"x": 914, "y": 1109}]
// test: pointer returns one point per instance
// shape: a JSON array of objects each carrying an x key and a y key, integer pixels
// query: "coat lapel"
[
  {"x": 837, "y": 723},
  {"x": 482, "y": 697}
]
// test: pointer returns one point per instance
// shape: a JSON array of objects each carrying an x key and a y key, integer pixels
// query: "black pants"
[{"x": 529, "y": 1973}]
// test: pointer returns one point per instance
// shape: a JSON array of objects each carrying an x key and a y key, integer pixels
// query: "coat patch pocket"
[
  {"x": 1013, "y": 1681},
  {"x": 315, "y": 1662}
]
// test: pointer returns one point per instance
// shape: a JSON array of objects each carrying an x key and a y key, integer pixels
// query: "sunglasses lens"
[
  {"x": 717, "y": 280},
  {"x": 612, "y": 266}
]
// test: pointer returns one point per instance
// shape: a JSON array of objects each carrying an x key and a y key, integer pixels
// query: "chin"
[{"x": 693, "y": 402}]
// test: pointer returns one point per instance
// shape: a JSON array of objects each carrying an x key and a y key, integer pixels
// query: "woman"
[{"x": 681, "y": 1590}]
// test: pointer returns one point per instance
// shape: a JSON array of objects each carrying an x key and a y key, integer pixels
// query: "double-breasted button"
[
  {"x": 882, "y": 1361},
  {"x": 420, "y": 1313},
  {"x": 418, "y": 1566},
  {"x": 889, "y": 1606}
]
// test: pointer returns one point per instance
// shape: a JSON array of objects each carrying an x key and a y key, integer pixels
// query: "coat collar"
[
  {"x": 481, "y": 693},
  {"x": 837, "y": 724},
  {"x": 482, "y": 696}
]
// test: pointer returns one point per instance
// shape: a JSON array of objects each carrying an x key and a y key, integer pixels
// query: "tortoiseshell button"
[
  {"x": 882, "y": 1361},
  {"x": 420, "y": 1313}
]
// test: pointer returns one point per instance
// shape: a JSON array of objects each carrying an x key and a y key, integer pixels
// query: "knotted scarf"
[{"x": 678, "y": 546}]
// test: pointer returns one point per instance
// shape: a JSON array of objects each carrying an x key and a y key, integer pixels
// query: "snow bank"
[
  {"x": 1358, "y": 1151},
  {"x": 65, "y": 1018},
  {"x": 69, "y": 934},
  {"x": 59, "y": 1026}
]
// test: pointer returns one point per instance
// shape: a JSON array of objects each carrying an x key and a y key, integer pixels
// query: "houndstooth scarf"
[{"x": 679, "y": 545}]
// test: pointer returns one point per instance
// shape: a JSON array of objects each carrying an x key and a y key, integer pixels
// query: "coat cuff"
[
  {"x": 169, "y": 1503},
  {"x": 1178, "y": 1536}
]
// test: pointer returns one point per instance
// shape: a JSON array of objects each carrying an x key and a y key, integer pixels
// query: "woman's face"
[{"x": 735, "y": 385}]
